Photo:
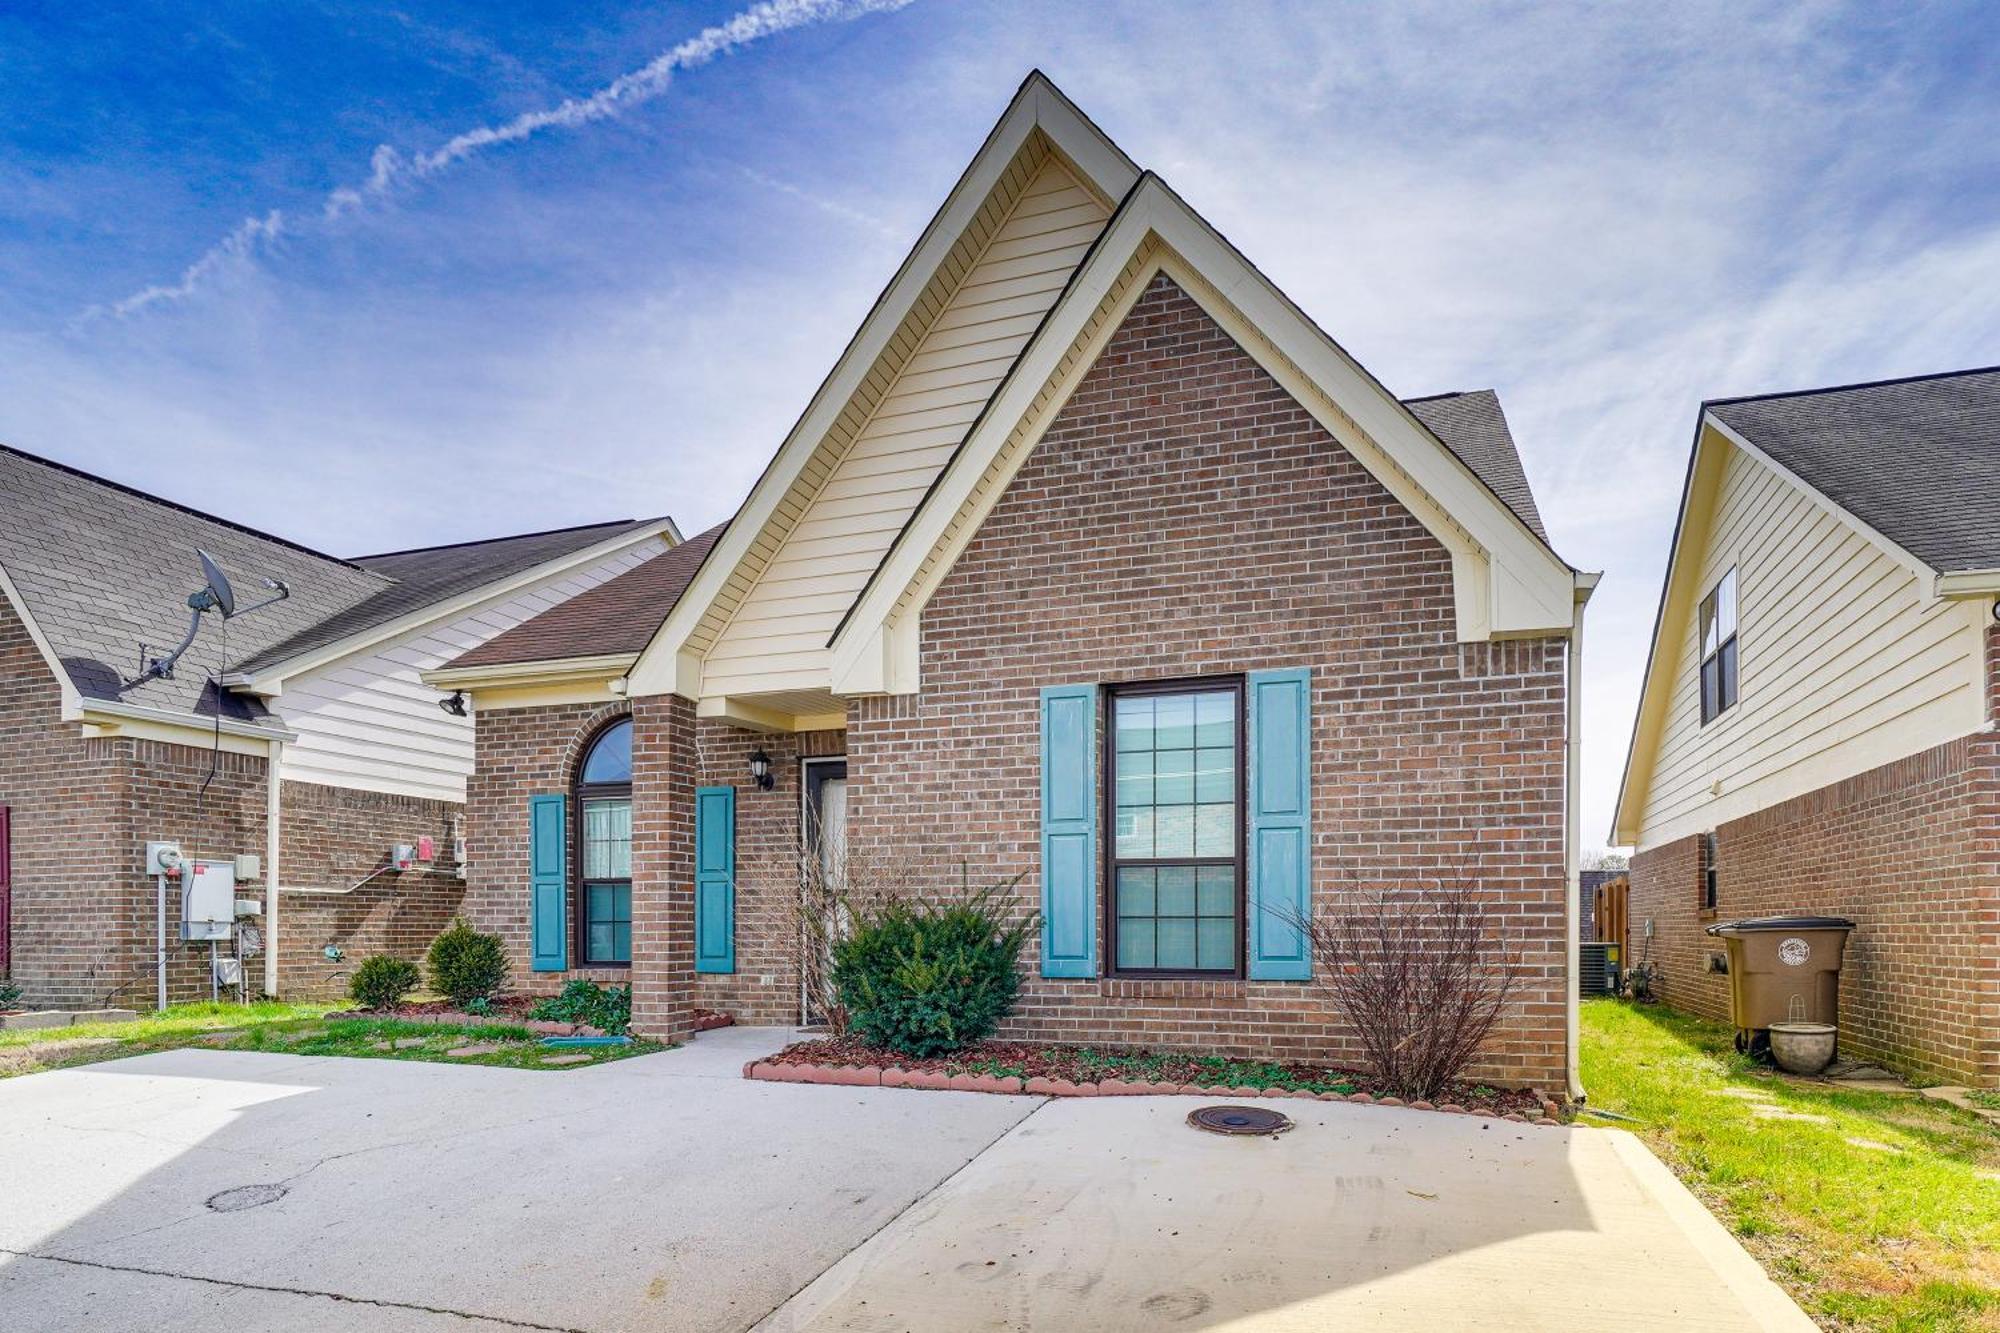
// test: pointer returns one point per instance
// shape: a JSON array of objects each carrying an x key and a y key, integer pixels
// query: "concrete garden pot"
[{"x": 1803, "y": 1048}]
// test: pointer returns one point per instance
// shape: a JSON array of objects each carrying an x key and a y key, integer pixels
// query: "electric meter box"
[{"x": 208, "y": 900}]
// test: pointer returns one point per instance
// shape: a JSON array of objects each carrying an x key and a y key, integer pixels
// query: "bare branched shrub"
[
  {"x": 823, "y": 885},
  {"x": 1421, "y": 974}
]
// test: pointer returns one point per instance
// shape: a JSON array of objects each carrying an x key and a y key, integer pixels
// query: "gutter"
[
  {"x": 1586, "y": 584},
  {"x": 113, "y": 712},
  {"x": 552, "y": 671}
]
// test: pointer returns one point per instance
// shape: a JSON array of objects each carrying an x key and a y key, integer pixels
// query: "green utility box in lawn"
[{"x": 1782, "y": 969}]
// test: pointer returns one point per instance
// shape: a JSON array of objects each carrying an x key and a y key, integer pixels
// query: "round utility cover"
[{"x": 1239, "y": 1120}]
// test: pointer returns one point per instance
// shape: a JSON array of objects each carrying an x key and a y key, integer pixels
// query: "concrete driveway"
[{"x": 269, "y": 1191}]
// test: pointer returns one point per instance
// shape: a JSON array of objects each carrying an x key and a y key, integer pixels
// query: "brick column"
[{"x": 662, "y": 867}]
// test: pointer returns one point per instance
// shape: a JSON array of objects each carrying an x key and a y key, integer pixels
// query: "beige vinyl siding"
[
  {"x": 1846, "y": 660},
  {"x": 371, "y": 723},
  {"x": 776, "y": 639}
]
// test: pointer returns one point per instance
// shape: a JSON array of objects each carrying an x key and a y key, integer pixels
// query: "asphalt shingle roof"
[
  {"x": 1918, "y": 459},
  {"x": 103, "y": 569},
  {"x": 1472, "y": 426},
  {"x": 617, "y": 616},
  {"x": 435, "y": 574}
]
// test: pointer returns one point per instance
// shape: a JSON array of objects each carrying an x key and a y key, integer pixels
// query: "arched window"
[{"x": 604, "y": 849}]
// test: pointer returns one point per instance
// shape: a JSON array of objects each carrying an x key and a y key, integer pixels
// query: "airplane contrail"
[{"x": 388, "y": 169}]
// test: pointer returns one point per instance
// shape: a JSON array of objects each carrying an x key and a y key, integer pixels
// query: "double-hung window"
[
  {"x": 604, "y": 849},
  {"x": 1174, "y": 773},
  {"x": 1718, "y": 649}
]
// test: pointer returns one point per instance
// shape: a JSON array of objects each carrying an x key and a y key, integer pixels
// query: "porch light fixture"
[{"x": 760, "y": 769}]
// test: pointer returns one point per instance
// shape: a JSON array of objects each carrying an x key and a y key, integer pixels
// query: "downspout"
[
  {"x": 273, "y": 789},
  {"x": 1572, "y": 837}
]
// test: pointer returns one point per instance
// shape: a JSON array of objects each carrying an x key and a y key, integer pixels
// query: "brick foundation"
[
  {"x": 333, "y": 838},
  {"x": 1911, "y": 852}
]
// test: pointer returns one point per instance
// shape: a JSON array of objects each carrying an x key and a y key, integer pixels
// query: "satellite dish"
[
  {"x": 215, "y": 595},
  {"x": 218, "y": 584}
]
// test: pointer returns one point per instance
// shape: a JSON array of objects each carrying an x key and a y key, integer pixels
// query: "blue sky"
[{"x": 1607, "y": 213}]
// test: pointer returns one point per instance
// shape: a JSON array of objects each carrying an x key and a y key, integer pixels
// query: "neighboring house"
[
  {"x": 1816, "y": 732},
  {"x": 1092, "y": 561},
  {"x": 321, "y": 689}
]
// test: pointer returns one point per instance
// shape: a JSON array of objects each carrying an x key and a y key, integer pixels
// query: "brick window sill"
[{"x": 1171, "y": 988}]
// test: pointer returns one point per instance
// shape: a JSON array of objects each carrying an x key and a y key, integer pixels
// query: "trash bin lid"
[{"x": 1761, "y": 923}]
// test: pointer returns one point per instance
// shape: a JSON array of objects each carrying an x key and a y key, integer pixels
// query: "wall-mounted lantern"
[{"x": 760, "y": 769}]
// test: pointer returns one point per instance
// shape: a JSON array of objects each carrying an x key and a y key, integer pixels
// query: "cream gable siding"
[
  {"x": 777, "y": 638},
  {"x": 1846, "y": 660},
  {"x": 371, "y": 723}
]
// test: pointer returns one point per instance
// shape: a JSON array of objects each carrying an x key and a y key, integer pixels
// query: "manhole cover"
[
  {"x": 246, "y": 1196},
  {"x": 1239, "y": 1120}
]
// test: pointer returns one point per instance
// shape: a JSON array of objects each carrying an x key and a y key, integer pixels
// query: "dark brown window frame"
[
  {"x": 1107, "y": 698},
  {"x": 1727, "y": 657},
  {"x": 579, "y": 792},
  {"x": 1706, "y": 890}
]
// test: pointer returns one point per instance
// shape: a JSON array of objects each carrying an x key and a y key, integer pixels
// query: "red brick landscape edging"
[{"x": 872, "y": 1076}]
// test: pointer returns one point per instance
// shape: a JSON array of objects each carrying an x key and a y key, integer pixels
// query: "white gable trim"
[
  {"x": 1509, "y": 583},
  {"x": 1692, "y": 527},
  {"x": 70, "y": 698},
  {"x": 667, "y": 665}
]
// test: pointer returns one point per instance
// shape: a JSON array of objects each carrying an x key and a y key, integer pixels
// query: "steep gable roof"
[
  {"x": 617, "y": 616},
  {"x": 1916, "y": 459},
  {"x": 1521, "y": 586}
]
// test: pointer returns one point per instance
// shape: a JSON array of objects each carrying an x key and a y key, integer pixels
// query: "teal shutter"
[
  {"x": 1280, "y": 852},
  {"x": 715, "y": 879},
  {"x": 1069, "y": 831},
  {"x": 548, "y": 864}
]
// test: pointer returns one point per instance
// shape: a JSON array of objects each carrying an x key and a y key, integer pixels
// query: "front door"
[{"x": 823, "y": 878}]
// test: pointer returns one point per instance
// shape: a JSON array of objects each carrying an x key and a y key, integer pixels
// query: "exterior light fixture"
[
  {"x": 760, "y": 769},
  {"x": 454, "y": 703}
]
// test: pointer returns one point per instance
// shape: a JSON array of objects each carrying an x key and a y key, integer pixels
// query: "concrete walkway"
[{"x": 666, "y": 1192}]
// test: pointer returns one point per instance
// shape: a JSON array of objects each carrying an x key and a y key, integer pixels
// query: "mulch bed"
[{"x": 1062, "y": 1070}]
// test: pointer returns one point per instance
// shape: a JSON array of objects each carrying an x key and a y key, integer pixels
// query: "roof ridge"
[
  {"x": 165, "y": 503},
  {"x": 1449, "y": 393},
  {"x": 506, "y": 537},
  {"x": 1707, "y": 403}
]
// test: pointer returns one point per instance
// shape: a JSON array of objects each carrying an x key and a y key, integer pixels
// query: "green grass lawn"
[
  {"x": 1875, "y": 1210},
  {"x": 290, "y": 1029}
]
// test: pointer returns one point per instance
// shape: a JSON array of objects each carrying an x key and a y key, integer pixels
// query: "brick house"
[
  {"x": 1816, "y": 733},
  {"x": 298, "y": 733},
  {"x": 1092, "y": 561}
]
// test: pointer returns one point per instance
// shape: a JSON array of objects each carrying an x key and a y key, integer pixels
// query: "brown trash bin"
[{"x": 1782, "y": 969}]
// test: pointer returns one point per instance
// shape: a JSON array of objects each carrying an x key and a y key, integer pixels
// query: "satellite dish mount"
[{"x": 216, "y": 595}]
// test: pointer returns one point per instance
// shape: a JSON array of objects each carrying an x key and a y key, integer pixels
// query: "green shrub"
[
  {"x": 10, "y": 994},
  {"x": 466, "y": 965},
  {"x": 381, "y": 982},
  {"x": 928, "y": 978},
  {"x": 606, "y": 1008}
]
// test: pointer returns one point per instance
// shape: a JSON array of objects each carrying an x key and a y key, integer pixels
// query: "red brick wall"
[
  {"x": 663, "y": 730},
  {"x": 67, "y": 800},
  {"x": 1911, "y": 852},
  {"x": 765, "y": 986},
  {"x": 1183, "y": 517},
  {"x": 518, "y": 753},
  {"x": 333, "y": 838}
]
